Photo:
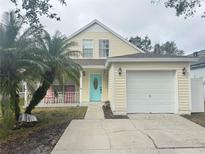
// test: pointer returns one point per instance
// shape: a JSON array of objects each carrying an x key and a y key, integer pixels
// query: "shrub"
[{"x": 107, "y": 104}]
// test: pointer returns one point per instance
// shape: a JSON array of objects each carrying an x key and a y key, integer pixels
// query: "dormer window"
[
  {"x": 87, "y": 48},
  {"x": 104, "y": 48}
]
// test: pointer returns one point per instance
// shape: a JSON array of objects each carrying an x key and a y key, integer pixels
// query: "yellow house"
[{"x": 133, "y": 81}]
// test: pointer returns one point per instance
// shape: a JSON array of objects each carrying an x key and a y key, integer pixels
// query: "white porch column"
[
  {"x": 81, "y": 87},
  {"x": 25, "y": 94}
]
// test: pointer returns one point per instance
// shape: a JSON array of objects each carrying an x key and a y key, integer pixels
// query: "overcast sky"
[{"x": 128, "y": 18}]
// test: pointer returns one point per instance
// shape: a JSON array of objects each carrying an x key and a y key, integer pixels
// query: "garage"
[{"x": 150, "y": 91}]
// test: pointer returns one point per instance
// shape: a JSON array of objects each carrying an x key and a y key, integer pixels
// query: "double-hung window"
[
  {"x": 87, "y": 48},
  {"x": 104, "y": 48}
]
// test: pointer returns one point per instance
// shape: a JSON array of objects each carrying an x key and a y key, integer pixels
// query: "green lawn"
[{"x": 47, "y": 117}]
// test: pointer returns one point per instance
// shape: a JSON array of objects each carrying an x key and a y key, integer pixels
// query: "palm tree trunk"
[
  {"x": 40, "y": 93},
  {"x": 15, "y": 103},
  {"x": 16, "y": 107}
]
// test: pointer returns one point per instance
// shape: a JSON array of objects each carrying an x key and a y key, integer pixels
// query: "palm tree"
[
  {"x": 18, "y": 58},
  {"x": 57, "y": 51}
]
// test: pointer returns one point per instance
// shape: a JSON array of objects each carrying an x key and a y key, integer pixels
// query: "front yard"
[{"x": 43, "y": 137}]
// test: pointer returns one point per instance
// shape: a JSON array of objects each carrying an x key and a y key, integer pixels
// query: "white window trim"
[
  {"x": 107, "y": 54},
  {"x": 87, "y": 48}
]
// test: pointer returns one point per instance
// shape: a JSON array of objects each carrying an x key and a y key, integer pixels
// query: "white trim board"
[
  {"x": 94, "y": 66},
  {"x": 150, "y": 59},
  {"x": 122, "y": 60}
]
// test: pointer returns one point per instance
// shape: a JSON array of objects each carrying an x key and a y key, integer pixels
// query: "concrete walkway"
[
  {"x": 94, "y": 112},
  {"x": 143, "y": 134}
]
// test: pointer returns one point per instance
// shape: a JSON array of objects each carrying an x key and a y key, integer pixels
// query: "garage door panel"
[
  {"x": 155, "y": 109},
  {"x": 151, "y": 84},
  {"x": 150, "y": 91}
]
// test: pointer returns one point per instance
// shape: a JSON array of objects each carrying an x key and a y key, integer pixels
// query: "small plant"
[{"x": 107, "y": 104}]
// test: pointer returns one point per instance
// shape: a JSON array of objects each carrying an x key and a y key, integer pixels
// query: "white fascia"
[
  {"x": 149, "y": 60},
  {"x": 95, "y": 66}
]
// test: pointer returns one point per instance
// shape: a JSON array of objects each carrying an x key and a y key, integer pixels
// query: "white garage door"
[{"x": 150, "y": 91}]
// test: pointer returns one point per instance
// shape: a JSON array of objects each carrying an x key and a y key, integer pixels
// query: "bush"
[{"x": 107, "y": 104}]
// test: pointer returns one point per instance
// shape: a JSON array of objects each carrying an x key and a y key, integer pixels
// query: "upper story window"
[
  {"x": 104, "y": 48},
  {"x": 87, "y": 48}
]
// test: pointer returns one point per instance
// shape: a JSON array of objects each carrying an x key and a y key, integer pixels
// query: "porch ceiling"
[{"x": 90, "y": 62}]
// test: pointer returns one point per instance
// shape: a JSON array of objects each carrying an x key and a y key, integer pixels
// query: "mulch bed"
[
  {"x": 109, "y": 115},
  {"x": 41, "y": 141},
  {"x": 198, "y": 118}
]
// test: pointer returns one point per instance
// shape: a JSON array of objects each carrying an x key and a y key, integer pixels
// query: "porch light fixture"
[
  {"x": 83, "y": 73},
  {"x": 120, "y": 71},
  {"x": 184, "y": 71}
]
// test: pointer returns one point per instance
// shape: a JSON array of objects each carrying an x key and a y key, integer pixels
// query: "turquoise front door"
[{"x": 95, "y": 87}]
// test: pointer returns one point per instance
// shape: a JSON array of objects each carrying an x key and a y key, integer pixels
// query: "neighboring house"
[
  {"x": 198, "y": 67},
  {"x": 133, "y": 81}
]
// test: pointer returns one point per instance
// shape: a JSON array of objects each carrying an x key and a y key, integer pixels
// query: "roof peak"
[{"x": 106, "y": 28}]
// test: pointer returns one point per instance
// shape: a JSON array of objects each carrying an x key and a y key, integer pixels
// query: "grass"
[
  {"x": 198, "y": 118},
  {"x": 47, "y": 117}
]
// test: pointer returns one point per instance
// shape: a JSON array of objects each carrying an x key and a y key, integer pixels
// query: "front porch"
[
  {"x": 58, "y": 95},
  {"x": 61, "y": 95},
  {"x": 70, "y": 93}
]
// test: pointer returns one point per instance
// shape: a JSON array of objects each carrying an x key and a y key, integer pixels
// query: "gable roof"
[
  {"x": 106, "y": 28},
  {"x": 200, "y": 53},
  {"x": 151, "y": 55}
]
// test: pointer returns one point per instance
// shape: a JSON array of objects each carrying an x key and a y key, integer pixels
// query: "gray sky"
[{"x": 128, "y": 18}]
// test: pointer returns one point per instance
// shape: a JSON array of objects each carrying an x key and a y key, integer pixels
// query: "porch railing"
[{"x": 61, "y": 99}]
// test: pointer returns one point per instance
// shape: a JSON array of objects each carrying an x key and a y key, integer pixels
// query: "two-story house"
[{"x": 133, "y": 81}]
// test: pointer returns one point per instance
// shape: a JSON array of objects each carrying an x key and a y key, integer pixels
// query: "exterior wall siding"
[
  {"x": 114, "y": 86},
  {"x": 117, "y": 47},
  {"x": 198, "y": 73},
  {"x": 111, "y": 87},
  {"x": 182, "y": 87}
]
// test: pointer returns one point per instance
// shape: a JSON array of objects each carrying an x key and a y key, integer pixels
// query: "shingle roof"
[
  {"x": 102, "y": 62},
  {"x": 89, "y": 62},
  {"x": 150, "y": 55},
  {"x": 200, "y": 53}
]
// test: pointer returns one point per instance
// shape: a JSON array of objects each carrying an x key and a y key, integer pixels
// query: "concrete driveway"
[{"x": 149, "y": 134}]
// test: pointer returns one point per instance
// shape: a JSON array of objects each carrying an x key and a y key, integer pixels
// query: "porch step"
[{"x": 94, "y": 111}]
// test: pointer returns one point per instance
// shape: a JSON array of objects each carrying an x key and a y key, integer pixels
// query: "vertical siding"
[
  {"x": 183, "y": 84},
  {"x": 85, "y": 87},
  {"x": 105, "y": 85},
  {"x": 111, "y": 87}
]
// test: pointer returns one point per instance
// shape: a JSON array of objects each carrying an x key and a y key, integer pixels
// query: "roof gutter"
[{"x": 119, "y": 60}]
